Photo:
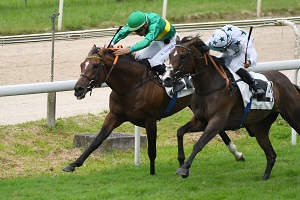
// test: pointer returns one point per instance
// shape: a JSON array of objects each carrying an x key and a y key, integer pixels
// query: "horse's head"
[
  {"x": 185, "y": 55},
  {"x": 92, "y": 73}
]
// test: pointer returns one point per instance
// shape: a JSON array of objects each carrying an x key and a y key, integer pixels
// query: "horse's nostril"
[{"x": 79, "y": 88}]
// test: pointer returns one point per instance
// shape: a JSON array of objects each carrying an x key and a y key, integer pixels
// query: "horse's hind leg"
[
  {"x": 292, "y": 117},
  {"x": 110, "y": 123},
  {"x": 261, "y": 131},
  {"x": 290, "y": 109},
  {"x": 239, "y": 156}
]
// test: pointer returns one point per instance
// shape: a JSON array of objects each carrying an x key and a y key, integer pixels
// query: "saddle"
[{"x": 261, "y": 102}]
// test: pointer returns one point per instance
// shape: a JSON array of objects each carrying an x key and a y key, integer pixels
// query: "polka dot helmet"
[{"x": 220, "y": 40}]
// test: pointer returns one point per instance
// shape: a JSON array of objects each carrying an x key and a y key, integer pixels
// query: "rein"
[{"x": 220, "y": 70}]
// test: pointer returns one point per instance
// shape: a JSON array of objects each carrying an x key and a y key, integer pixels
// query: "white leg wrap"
[{"x": 233, "y": 150}]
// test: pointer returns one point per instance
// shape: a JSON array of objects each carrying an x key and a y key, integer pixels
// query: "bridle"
[
  {"x": 94, "y": 81},
  {"x": 179, "y": 73}
]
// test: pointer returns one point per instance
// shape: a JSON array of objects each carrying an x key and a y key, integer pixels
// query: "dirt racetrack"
[{"x": 31, "y": 63}]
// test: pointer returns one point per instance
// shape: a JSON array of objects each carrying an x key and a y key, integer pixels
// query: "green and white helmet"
[
  {"x": 220, "y": 40},
  {"x": 136, "y": 20}
]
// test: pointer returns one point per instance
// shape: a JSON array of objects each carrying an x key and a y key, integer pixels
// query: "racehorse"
[
  {"x": 137, "y": 96},
  {"x": 217, "y": 103}
]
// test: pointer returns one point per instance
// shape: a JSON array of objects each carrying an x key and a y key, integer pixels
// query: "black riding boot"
[
  {"x": 247, "y": 78},
  {"x": 160, "y": 69}
]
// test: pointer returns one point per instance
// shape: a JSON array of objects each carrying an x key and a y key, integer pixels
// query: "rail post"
[{"x": 51, "y": 101}]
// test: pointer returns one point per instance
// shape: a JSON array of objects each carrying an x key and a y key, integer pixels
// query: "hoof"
[
  {"x": 183, "y": 172},
  {"x": 69, "y": 168},
  {"x": 265, "y": 177},
  {"x": 184, "y": 176},
  {"x": 240, "y": 157}
]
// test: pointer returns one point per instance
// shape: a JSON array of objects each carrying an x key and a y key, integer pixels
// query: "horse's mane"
[
  {"x": 201, "y": 46},
  {"x": 127, "y": 57}
]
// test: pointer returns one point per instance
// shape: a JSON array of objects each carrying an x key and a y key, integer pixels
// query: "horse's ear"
[
  {"x": 192, "y": 41},
  {"x": 92, "y": 49},
  {"x": 204, "y": 48},
  {"x": 102, "y": 50},
  {"x": 177, "y": 40}
]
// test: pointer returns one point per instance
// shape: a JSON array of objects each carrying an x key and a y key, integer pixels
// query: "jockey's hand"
[
  {"x": 122, "y": 51},
  {"x": 247, "y": 64}
]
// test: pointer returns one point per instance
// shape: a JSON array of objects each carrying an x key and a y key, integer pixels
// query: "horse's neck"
[
  {"x": 125, "y": 75},
  {"x": 209, "y": 79}
]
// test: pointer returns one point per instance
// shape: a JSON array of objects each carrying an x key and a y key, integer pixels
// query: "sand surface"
[{"x": 31, "y": 63}]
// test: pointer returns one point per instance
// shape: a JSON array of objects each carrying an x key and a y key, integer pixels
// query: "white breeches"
[{"x": 157, "y": 52}]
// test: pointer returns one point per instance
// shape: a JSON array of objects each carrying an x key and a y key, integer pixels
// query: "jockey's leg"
[
  {"x": 161, "y": 69},
  {"x": 247, "y": 78}
]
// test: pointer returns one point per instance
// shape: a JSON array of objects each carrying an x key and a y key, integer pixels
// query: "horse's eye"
[
  {"x": 182, "y": 57},
  {"x": 95, "y": 65}
]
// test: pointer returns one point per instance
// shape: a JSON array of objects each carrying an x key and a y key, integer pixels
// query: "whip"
[
  {"x": 114, "y": 35},
  {"x": 249, "y": 35}
]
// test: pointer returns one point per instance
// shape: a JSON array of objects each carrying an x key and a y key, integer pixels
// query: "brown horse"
[
  {"x": 217, "y": 107},
  {"x": 137, "y": 96}
]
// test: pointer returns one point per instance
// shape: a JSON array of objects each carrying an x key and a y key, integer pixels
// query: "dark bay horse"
[
  {"x": 137, "y": 96},
  {"x": 217, "y": 107}
]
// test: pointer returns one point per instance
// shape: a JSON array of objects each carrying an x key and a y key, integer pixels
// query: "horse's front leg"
[
  {"x": 110, "y": 123},
  {"x": 151, "y": 130},
  {"x": 210, "y": 132},
  {"x": 192, "y": 126},
  {"x": 239, "y": 156}
]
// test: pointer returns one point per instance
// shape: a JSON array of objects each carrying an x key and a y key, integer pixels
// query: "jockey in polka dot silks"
[{"x": 231, "y": 41}]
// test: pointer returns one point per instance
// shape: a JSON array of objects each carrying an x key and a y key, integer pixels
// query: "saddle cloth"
[{"x": 265, "y": 102}]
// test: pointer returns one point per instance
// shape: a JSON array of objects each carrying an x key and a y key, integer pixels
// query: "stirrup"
[{"x": 178, "y": 86}]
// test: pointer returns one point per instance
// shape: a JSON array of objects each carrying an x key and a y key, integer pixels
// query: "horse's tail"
[{"x": 297, "y": 88}]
